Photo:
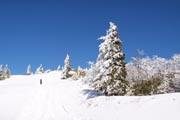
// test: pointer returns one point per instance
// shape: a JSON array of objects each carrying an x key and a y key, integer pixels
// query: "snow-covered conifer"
[
  {"x": 58, "y": 68},
  {"x": 28, "y": 70},
  {"x": 110, "y": 65},
  {"x": 66, "y": 68},
  {"x": 1, "y": 73},
  {"x": 1, "y": 70},
  {"x": 6, "y": 72},
  {"x": 40, "y": 69}
]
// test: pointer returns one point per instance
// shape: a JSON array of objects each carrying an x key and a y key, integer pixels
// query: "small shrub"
[
  {"x": 146, "y": 87},
  {"x": 2, "y": 78}
]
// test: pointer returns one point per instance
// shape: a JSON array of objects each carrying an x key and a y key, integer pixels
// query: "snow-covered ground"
[{"x": 23, "y": 98}]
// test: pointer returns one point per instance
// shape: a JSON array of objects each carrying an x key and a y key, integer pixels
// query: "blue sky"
[{"x": 43, "y": 32}]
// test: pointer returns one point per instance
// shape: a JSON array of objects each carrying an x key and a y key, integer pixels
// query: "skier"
[{"x": 40, "y": 81}]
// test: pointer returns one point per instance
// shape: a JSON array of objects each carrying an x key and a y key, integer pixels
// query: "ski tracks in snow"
[{"x": 52, "y": 102}]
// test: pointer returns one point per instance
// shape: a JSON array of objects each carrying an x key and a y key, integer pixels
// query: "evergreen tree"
[
  {"x": 40, "y": 69},
  {"x": 1, "y": 71},
  {"x": 66, "y": 68},
  {"x": 58, "y": 68},
  {"x": 28, "y": 70},
  {"x": 110, "y": 65},
  {"x": 6, "y": 71}
]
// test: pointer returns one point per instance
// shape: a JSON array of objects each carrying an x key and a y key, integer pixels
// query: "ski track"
[{"x": 49, "y": 102}]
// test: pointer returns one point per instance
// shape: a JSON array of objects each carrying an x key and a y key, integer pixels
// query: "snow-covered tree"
[
  {"x": 66, "y": 68},
  {"x": 1, "y": 73},
  {"x": 58, "y": 68},
  {"x": 163, "y": 74},
  {"x": 1, "y": 70},
  {"x": 91, "y": 73},
  {"x": 79, "y": 73},
  {"x": 40, "y": 69},
  {"x": 110, "y": 65},
  {"x": 6, "y": 72},
  {"x": 28, "y": 70}
]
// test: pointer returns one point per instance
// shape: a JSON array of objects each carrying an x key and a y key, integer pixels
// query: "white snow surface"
[{"x": 23, "y": 98}]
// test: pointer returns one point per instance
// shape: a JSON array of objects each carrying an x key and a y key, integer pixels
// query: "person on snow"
[{"x": 40, "y": 81}]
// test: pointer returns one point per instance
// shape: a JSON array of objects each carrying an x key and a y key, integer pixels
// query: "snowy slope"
[{"x": 23, "y": 98}]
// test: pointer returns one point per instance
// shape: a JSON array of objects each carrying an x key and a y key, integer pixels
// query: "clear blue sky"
[{"x": 43, "y": 32}]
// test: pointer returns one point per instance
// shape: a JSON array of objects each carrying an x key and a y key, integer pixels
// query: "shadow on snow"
[{"x": 92, "y": 93}]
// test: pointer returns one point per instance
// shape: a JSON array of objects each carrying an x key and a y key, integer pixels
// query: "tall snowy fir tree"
[
  {"x": 6, "y": 72},
  {"x": 66, "y": 68},
  {"x": 28, "y": 70},
  {"x": 110, "y": 65}
]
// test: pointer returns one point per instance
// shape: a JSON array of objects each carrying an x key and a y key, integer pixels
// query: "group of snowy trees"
[
  {"x": 158, "y": 75},
  {"x": 141, "y": 76},
  {"x": 39, "y": 70},
  {"x": 65, "y": 71},
  {"x": 4, "y": 72}
]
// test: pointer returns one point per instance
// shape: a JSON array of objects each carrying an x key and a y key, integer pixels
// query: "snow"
[{"x": 23, "y": 98}]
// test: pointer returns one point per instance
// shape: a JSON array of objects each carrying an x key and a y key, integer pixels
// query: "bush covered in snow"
[
  {"x": 78, "y": 73},
  {"x": 145, "y": 87},
  {"x": 154, "y": 75}
]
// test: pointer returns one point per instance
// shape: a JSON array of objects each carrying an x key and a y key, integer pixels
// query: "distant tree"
[
  {"x": 1, "y": 73},
  {"x": 40, "y": 69},
  {"x": 58, "y": 68},
  {"x": 91, "y": 73},
  {"x": 137, "y": 59},
  {"x": 6, "y": 72},
  {"x": 66, "y": 68},
  {"x": 28, "y": 70},
  {"x": 79, "y": 73},
  {"x": 1, "y": 70},
  {"x": 110, "y": 65}
]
